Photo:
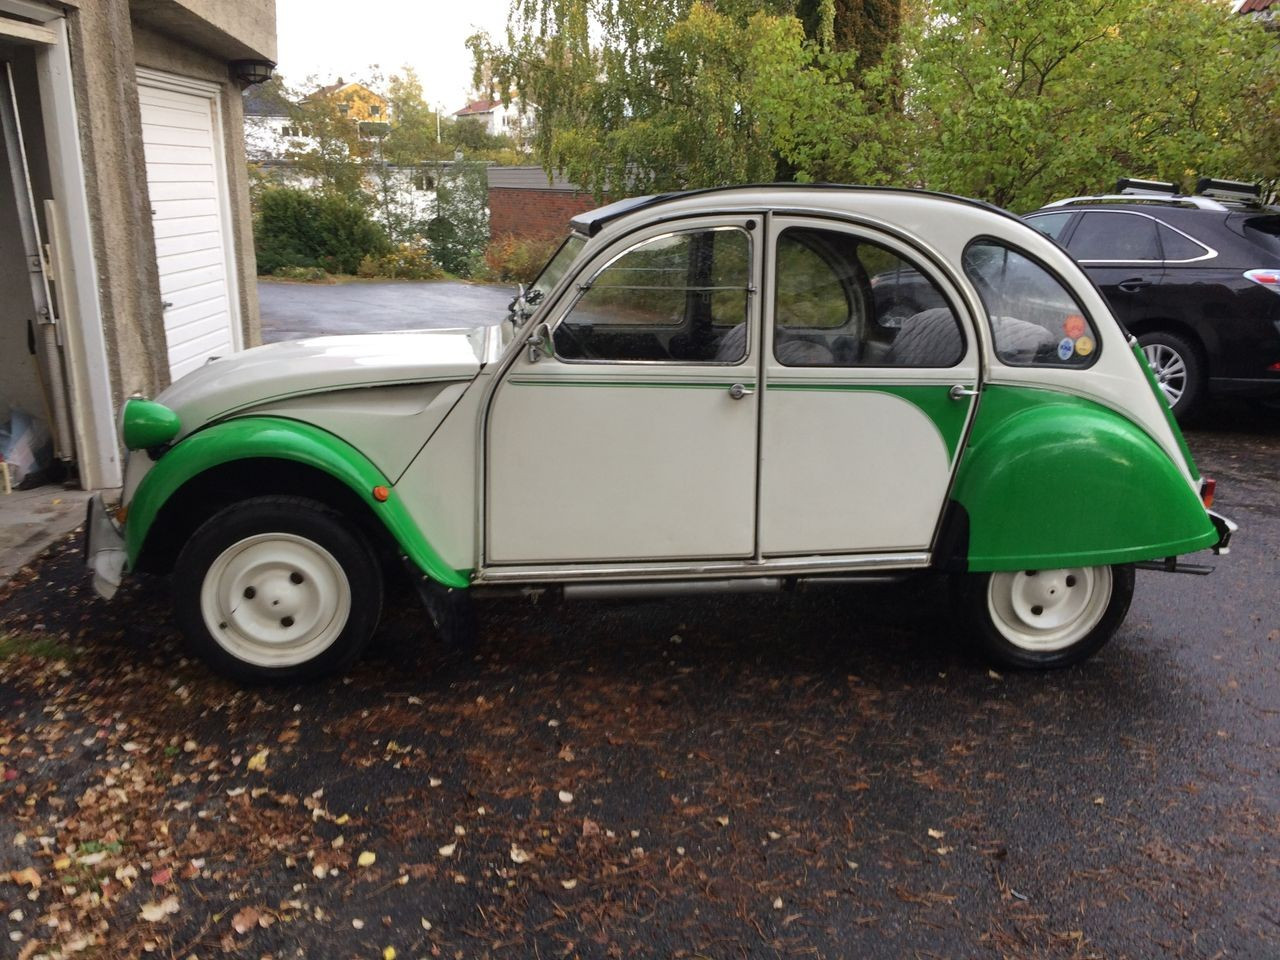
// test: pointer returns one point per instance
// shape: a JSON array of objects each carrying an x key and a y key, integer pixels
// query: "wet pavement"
[
  {"x": 817, "y": 775},
  {"x": 294, "y": 310}
]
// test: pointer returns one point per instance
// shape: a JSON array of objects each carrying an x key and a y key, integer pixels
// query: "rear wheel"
[
  {"x": 1038, "y": 619},
  {"x": 1178, "y": 370},
  {"x": 277, "y": 588}
]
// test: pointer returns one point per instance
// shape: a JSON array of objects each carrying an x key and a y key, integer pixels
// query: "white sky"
[{"x": 339, "y": 38}]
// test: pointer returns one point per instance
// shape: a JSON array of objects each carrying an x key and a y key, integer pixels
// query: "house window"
[
  {"x": 422, "y": 181},
  {"x": 290, "y": 131},
  {"x": 375, "y": 110}
]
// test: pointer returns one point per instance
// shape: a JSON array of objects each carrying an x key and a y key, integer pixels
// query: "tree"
[
  {"x": 459, "y": 227},
  {"x": 1019, "y": 101},
  {"x": 414, "y": 124},
  {"x": 329, "y": 148},
  {"x": 661, "y": 96}
]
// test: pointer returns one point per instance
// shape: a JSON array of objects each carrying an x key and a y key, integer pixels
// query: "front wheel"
[
  {"x": 1039, "y": 619},
  {"x": 277, "y": 588}
]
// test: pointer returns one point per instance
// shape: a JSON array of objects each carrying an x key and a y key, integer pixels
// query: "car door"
[
  {"x": 637, "y": 438},
  {"x": 864, "y": 408},
  {"x": 1120, "y": 250}
]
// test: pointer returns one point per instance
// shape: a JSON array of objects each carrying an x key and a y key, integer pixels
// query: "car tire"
[
  {"x": 1043, "y": 619},
  {"x": 277, "y": 589},
  {"x": 1176, "y": 364}
]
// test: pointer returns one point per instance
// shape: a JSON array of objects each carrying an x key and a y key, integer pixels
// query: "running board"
[{"x": 1173, "y": 565}]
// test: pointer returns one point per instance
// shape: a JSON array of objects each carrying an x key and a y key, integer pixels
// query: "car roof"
[
  {"x": 1146, "y": 202},
  {"x": 766, "y": 194}
]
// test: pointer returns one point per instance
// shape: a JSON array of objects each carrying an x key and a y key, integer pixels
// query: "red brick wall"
[{"x": 534, "y": 213}]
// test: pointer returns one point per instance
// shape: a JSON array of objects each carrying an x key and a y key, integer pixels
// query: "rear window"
[
  {"x": 1265, "y": 232},
  {"x": 1179, "y": 247}
]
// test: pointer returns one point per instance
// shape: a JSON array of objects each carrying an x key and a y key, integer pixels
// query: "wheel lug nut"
[
  {"x": 250, "y": 593},
  {"x": 1037, "y": 610},
  {"x": 295, "y": 577},
  {"x": 286, "y": 621}
]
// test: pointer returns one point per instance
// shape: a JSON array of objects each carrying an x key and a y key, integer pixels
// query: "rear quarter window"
[{"x": 1264, "y": 232}]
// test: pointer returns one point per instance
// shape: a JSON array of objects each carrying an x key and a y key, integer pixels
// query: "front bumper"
[{"x": 104, "y": 551}]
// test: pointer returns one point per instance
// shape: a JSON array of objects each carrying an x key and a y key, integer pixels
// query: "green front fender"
[
  {"x": 279, "y": 439},
  {"x": 1050, "y": 480}
]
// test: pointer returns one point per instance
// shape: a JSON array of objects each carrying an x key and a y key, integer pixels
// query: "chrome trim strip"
[
  {"x": 711, "y": 568},
  {"x": 1209, "y": 252}
]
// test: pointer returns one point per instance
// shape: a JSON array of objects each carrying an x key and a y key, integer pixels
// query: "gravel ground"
[{"x": 819, "y": 775}]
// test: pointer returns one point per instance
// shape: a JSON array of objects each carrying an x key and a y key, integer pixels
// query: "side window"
[
  {"x": 841, "y": 301},
  {"x": 681, "y": 297},
  {"x": 1050, "y": 224},
  {"x": 1114, "y": 236},
  {"x": 1034, "y": 320},
  {"x": 1179, "y": 247}
]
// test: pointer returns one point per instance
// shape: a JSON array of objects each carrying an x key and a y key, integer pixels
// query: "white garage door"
[{"x": 187, "y": 182}]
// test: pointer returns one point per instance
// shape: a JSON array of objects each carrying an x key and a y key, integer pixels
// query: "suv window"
[
  {"x": 1051, "y": 224},
  {"x": 1114, "y": 236},
  {"x": 1179, "y": 247},
  {"x": 1264, "y": 231},
  {"x": 1034, "y": 320},
  {"x": 841, "y": 301},
  {"x": 673, "y": 297}
]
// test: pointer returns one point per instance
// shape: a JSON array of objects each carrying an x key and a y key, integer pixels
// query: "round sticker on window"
[
  {"x": 1065, "y": 348},
  {"x": 1084, "y": 346},
  {"x": 1073, "y": 326}
]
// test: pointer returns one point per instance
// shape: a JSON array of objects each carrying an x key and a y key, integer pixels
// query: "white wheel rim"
[
  {"x": 1048, "y": 610},
  {"x": 1170, "y": 370},
  {"x": 275, "y": 600}
]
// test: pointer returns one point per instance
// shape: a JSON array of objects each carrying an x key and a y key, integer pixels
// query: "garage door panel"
[{"x": 187, "y": 190}]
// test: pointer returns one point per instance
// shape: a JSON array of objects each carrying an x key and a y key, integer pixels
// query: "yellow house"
[{"x": 356, "y": 101}]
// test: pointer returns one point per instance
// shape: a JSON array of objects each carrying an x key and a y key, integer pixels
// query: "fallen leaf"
[
  {"x": 590, "y": 828},
  {"x": 1099, "y": 801},
  {"x": 27, "y": 877},
  {"x": 774, "y": 835},
  {"x": 936, "y": 834},
  {"x": 426, "y": 924},
  {"x": 434, "y": 781},
  {"x": 245, "y": 920},
  {"x": 447, "y": 849},
  {"x": 565, "y": 796},
  {"x": 160, "y": 877},
  {"x": 357, "y": 923},
  {"x": 993, "y": 675},
  {"x": 723, "y": 821},
  {"x": 943, "y": 851},
  {"x": 366, "y": 858},
  {"x": 519, "y": 856},
  {"x": 389, "y": 953},
  {"x": 153, "y": 912},
  {"x": 777, "y": 903},
  {"x": 568, "y": 884},
  {"x": 566, "y": 754},
  {"x": 259, "y": 760}
]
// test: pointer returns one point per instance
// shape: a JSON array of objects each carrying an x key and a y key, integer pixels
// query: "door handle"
[
  {"x": 1133, "y": 284},
  {"x": 960, "y": 391},
  {"x": 740, "y": 390}
]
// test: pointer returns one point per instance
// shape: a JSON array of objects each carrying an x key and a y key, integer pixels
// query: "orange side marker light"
[{"x": 381, "y": 493}]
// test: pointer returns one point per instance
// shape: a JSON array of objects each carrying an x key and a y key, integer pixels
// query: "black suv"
[{"x": 1196, "y": 278}]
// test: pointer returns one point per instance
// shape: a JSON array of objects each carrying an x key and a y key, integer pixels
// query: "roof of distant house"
[
  {"x": 476, "y": 107},
  {"x": 338, "y": 86},
  {"x": 1255, "y": 6},
  {"x": 265, "y": 100}
]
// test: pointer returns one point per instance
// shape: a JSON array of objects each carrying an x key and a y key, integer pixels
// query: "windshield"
[{"x": 523, "y": 305}]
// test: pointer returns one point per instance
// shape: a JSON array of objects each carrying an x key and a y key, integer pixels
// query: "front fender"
[
  {"x": 280, "y": 439},
  {"x": 1051, "y": 480}
]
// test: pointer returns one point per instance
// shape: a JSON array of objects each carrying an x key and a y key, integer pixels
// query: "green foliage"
[
  {"x": 41, "y": 646},
  {"x": 1012, "y": 101},
  {"x": 298, "y": 228},
  {"x": 301, "y": 274},
  {"x": 408, "y": 261},
  {"x": 459, "y": 228}
]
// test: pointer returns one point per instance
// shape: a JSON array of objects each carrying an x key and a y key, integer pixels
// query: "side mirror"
[{"x": 540, "y": 343}]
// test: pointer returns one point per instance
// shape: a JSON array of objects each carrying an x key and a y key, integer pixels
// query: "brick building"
[{"x": 523, "y": 203}]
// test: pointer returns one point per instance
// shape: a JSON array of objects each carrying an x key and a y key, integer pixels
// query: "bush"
[
  {"x": 298, "y": 228},
  {"x": 512, "y": 259},
  {"x": 406, "y": 262},
  {"x": 305, "y": 274}
]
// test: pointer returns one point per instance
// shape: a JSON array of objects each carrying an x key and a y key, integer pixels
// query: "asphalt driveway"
[
  {"x": 291, "y": 311},
  {"x": 818, "y": 775}
]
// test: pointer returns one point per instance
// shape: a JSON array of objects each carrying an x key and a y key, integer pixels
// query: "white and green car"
[{"x": 722, "y": 391}]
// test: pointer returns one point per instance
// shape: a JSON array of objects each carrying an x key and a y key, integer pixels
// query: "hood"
[{"x": 321, "y": 364}]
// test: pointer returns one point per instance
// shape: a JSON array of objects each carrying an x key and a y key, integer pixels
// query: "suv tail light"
[{"x": 1268, "y": 278}]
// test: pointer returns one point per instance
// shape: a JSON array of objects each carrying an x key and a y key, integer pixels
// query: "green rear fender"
[
  {"x": 1050, "y": 480},
  {"x": 278, "y": 439}
]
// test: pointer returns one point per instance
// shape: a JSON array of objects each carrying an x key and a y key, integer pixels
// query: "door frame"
[
  {"x": 557, "y": 307},
  {"x": 212, "y": 92}
]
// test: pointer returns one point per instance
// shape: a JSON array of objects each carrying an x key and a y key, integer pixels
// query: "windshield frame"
[{"x": 545, "y": 284}]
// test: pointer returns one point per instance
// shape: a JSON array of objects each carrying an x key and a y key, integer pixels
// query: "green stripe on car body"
[
  {"x": 281, "y": 439},
  {"x": 1051, "y": 480},
  {"x": 623, "y": 382}
]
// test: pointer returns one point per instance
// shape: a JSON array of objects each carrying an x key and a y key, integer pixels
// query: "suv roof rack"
[
  {"x": 1182, "y": 200},
  {"x": 1131, "y": 185},
  {"x": 1234, "y": 190}
]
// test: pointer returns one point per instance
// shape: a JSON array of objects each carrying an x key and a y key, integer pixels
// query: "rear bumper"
[
  {"x": 104, "y": 551},
  {"x": 1225, "y": 529}
]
